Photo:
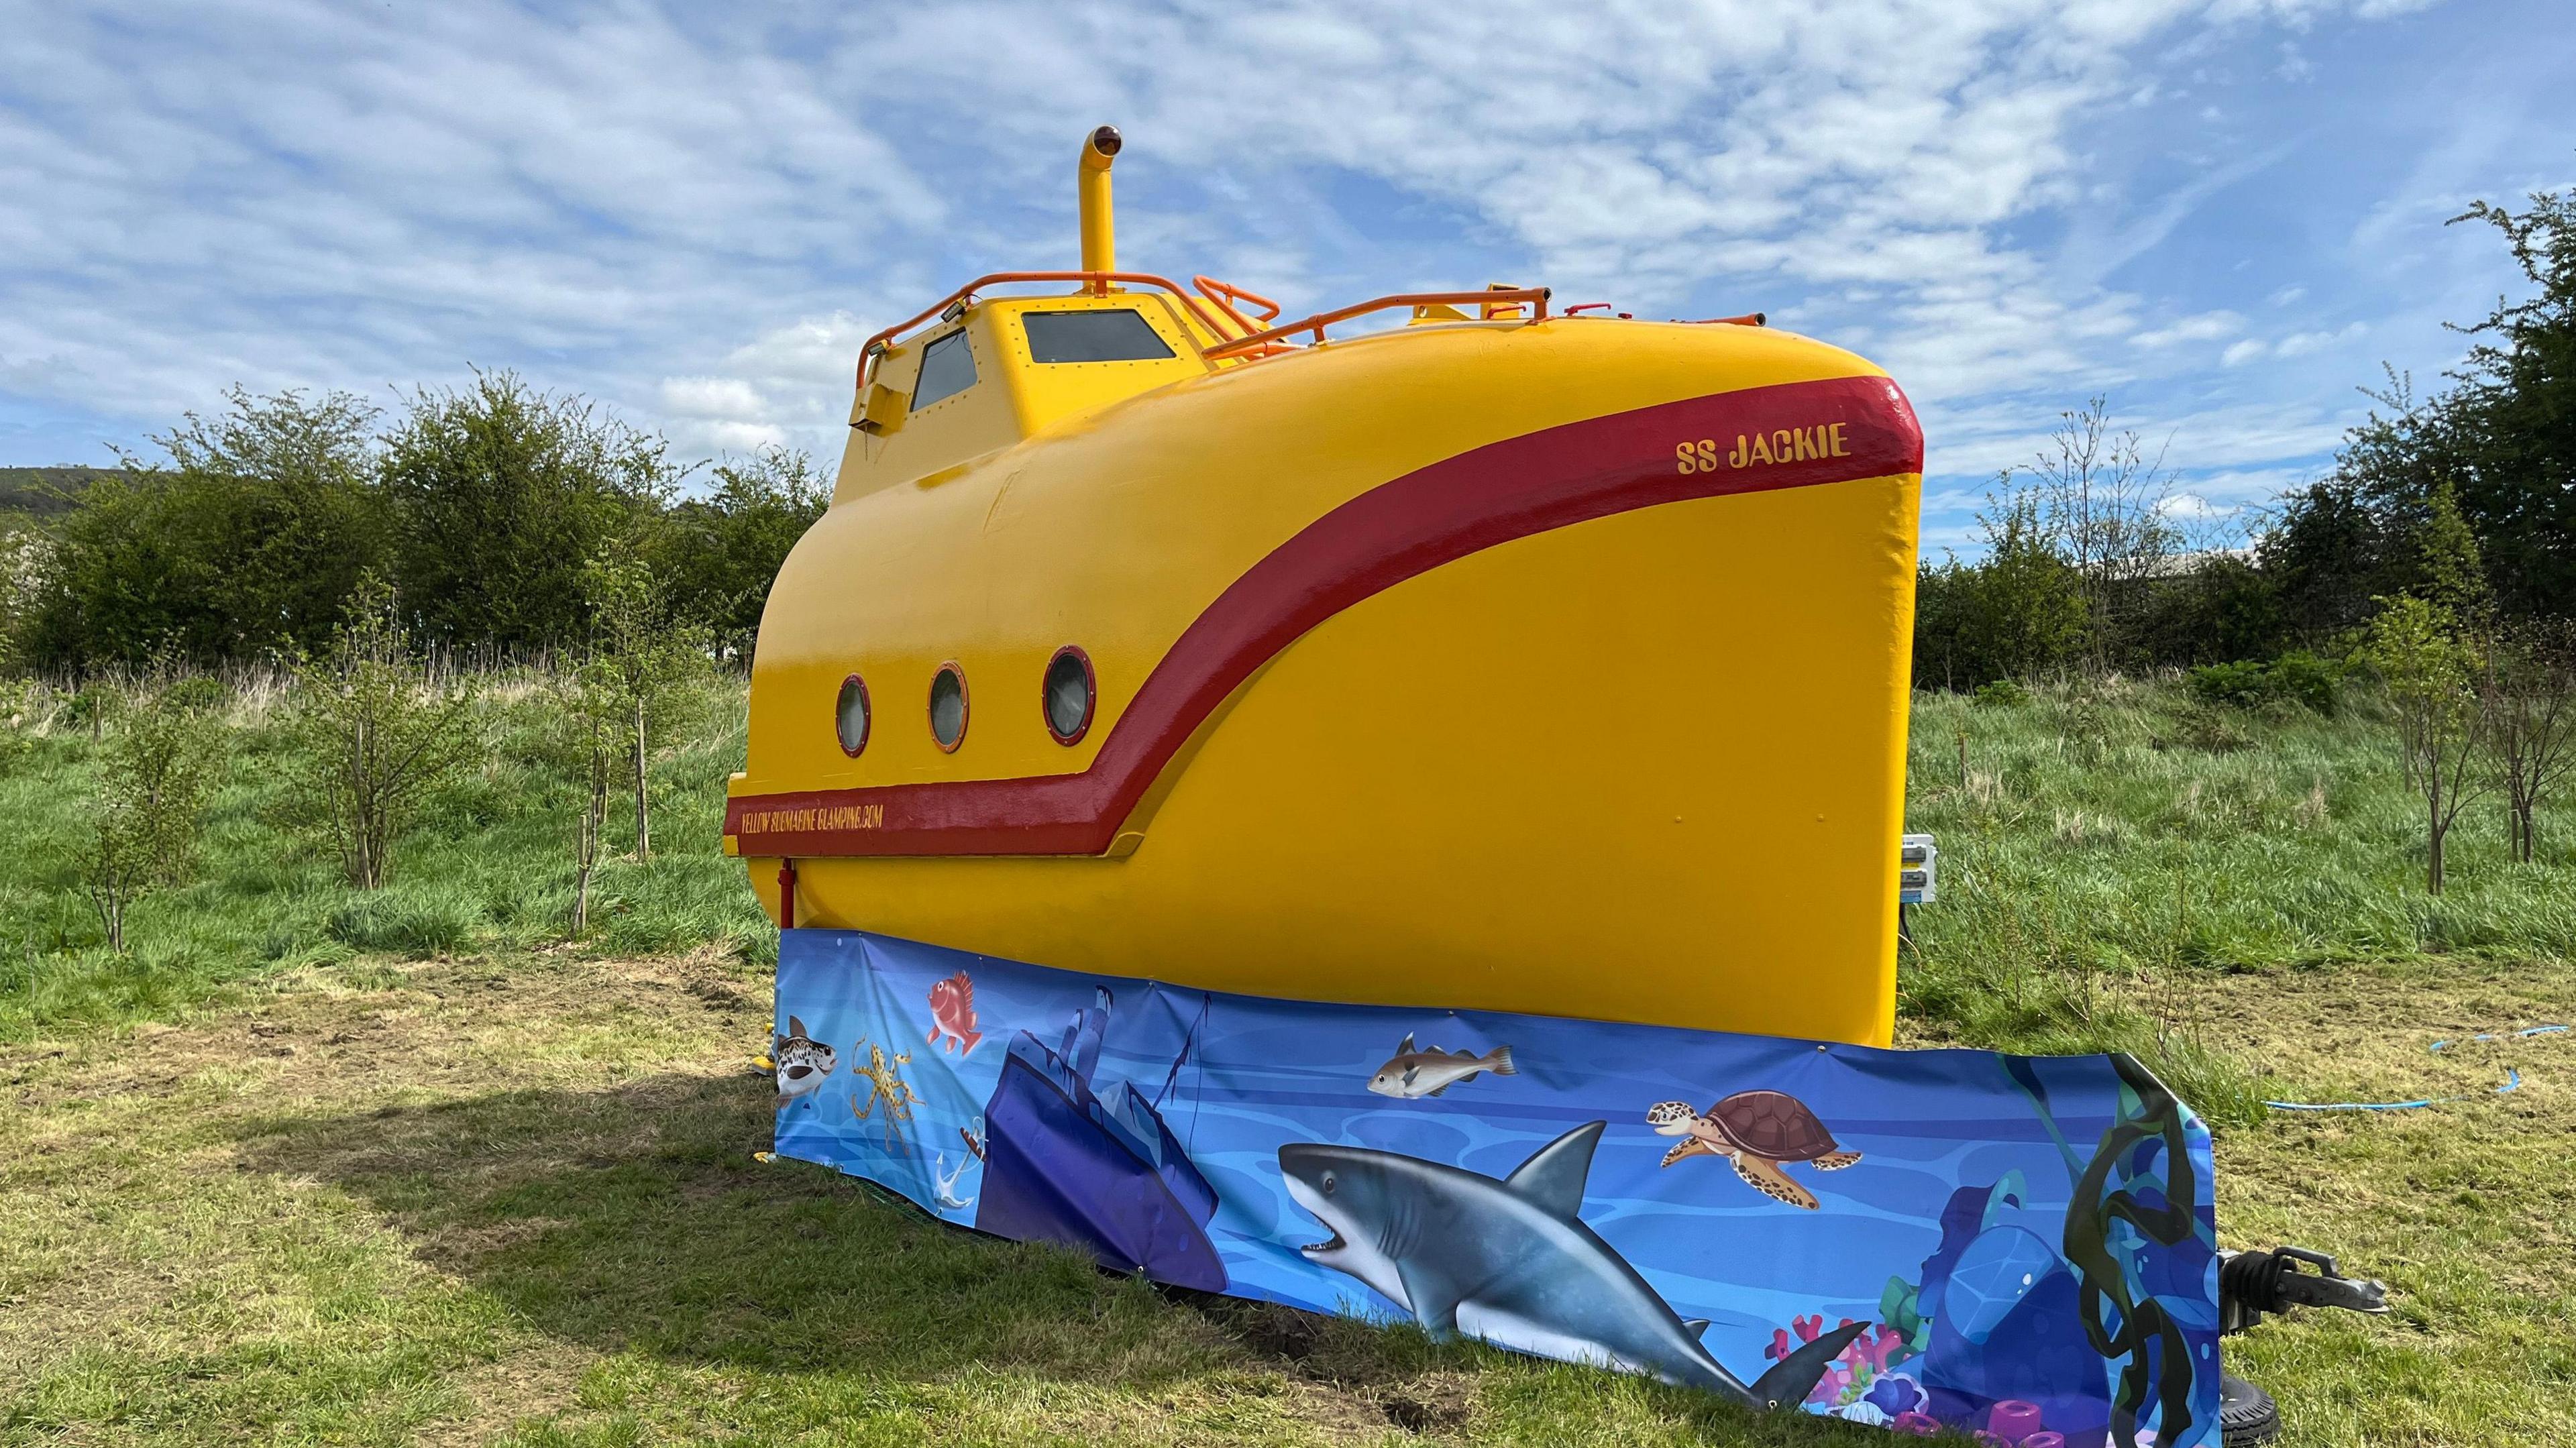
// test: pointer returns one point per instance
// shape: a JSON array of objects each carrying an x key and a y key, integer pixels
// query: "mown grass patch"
[{"x": 512, "y": 1200}]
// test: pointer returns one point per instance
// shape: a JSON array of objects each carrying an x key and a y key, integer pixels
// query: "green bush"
[
  {"x": 197, "y": 694},
  {"x": 2001, "y": 694},
  {"x": 2297, "y": 677},
  {"x": 2303, "y": 678},
  {"x": 2245, "y": 684}
]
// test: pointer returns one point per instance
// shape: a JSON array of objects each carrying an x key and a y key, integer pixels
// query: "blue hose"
[
  {"x": 2507, "y": 1036},
  {"x": 2512, "y": 1080}
]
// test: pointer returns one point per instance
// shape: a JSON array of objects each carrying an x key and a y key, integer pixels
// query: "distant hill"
[{"x": 39, "y": 492}]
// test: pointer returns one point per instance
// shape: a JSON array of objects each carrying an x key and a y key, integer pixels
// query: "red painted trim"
[
  {"x": 1409, "y": 526},
  {"x": 867, "y": 717},
  {"x": 1090, "y": 696},
  {"x": 965, "y": 707}
]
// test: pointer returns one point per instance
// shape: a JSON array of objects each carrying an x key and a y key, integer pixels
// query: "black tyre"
[{"x": 2246, "y": 1415}]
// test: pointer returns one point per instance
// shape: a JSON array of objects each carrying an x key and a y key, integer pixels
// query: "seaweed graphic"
[{"x": 2159, "y": 1363}]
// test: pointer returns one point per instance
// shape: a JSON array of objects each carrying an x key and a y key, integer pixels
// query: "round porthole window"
[
  {"x": 1069, "y": 691},
  {"x": 850, "y": 715},
  {"x": 948, "y": 707}
]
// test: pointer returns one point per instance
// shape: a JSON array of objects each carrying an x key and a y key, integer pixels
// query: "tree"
[
  {"x": 501, "y": 494},
  {"x": 249, "y": 533},
  {"x": 26, "y": 557},
  {"x": 2501, "y": 440},
  {"x": 374, "y": 727},
  {"x": 644, "y": 665},
  {"x": 2017, "y": 612},
  {"x": 2219, "y": 610},
  {"x": 2449, "y": 572},
  {"x": 2102, "y": 503},
  {"x": 584, "y": 742},
  {"x": 719, "y": 554},
  {"x": 2529, "y": 693},
  {"x": 2513, "y": 413},
  {"x": 153, "y": 781},
  {"x": 2326, "y": 557},
  {"x": 282, "y": 495},
  {"x": 2441, "y": 721}
]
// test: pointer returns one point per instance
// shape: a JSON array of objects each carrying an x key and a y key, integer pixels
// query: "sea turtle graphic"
[{"x": 1758, "y": 1131}]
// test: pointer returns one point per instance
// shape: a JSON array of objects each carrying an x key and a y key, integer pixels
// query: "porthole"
[
  {"x": 850, "y": 715},
  {"x": 1068, "y": 694},
  {"x": 948, "y": 707}
]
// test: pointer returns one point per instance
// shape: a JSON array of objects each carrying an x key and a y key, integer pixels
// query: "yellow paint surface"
[{"x": 1646, "y": 767}]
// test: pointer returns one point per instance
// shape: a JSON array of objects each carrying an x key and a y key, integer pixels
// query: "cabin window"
[
  {"x": 850, "y": 715},
  {"x": 1067, "y": 695},
  {"x": 1117, "y": 335},
  {"x": 947, "y": 368},
  {"x": 948, "y": 707}
]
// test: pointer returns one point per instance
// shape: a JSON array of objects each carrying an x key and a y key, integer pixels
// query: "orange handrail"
[
  {"x": 1226, "y": 294},
  {"x": 1749, "y": 319},
  {"x": 1533, "y": 297},
  {"x": 1095, "y": 282}
]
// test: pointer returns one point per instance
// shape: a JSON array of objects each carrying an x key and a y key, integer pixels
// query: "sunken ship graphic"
[{"x": 1066, "y": 1161}]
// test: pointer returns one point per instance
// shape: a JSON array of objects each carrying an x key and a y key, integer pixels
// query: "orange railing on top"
[
  {"x": 1094, "y": 282},
  {"x": 1488, "y": 300},
  {"x": 1491, "y": 304},
  {"x": 1226, "y": 294}
]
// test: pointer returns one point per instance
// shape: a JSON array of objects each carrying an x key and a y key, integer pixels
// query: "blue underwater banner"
[{"x": 1960, "y": 1240}]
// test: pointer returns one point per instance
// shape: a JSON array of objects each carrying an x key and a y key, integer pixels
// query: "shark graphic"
[{"x": 1511, "y": 1262}]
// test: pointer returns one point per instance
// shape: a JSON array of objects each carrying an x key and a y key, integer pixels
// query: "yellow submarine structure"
[{"x": 1510, "y": 655}]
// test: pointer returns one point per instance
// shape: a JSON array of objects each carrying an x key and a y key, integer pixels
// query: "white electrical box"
[{"x": 1916, "y": 856}]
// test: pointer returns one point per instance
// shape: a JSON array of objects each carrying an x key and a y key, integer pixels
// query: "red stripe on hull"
[{"x": 1505, "y": 490}]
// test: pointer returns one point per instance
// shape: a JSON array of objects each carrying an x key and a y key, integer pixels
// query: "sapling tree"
[
  {"x": 375, "y": 727},
  {"x": 585, "y": 740},
  {"x": 153, "y": 779},
  {"x": 645, "y": 667},
  {"x": 2529, "y": 691},
  {"x": 2442, "y": 722},
  {"x": 17, "y": 721}
]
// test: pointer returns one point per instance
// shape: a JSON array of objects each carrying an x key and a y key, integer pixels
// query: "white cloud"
[
  {"x": 2299, "y": 344},
  {"x": 2206, "y": 327},
  {"x": 698, "y": 218},
  {"x": 724, "y": 398},
  {"x": 2240, "y": 353}
]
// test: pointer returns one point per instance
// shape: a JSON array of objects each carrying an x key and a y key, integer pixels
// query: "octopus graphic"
[{"x": 885, "y": 1088}]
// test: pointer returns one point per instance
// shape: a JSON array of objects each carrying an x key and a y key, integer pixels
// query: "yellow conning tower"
[{"x": 1506, "y": 659}]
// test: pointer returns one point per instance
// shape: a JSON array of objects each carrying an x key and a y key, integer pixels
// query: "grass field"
[{"x": 313, "y": 1167}]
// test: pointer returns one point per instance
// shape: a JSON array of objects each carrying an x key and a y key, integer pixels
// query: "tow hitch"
[{"x": 2253, "y": 1285}]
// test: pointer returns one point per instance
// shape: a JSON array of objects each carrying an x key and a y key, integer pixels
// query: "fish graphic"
[
  {"x": 803, "y": 1062},
  {"x": 1410, "y": 1073},
  {"x": 1512, "y": 1262},
  {"x": 952, "y": 1013}
]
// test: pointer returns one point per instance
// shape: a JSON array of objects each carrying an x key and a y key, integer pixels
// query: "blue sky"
[{"x": 2223, "y": 214}]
